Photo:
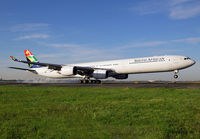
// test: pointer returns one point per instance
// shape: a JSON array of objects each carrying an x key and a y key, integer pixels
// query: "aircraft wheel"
[
  {"x": 98, "y": 81},
  {"x": 175, "y": 76}
]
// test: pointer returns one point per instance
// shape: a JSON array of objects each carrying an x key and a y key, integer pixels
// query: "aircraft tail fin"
[{"x": 30, "y": 57}]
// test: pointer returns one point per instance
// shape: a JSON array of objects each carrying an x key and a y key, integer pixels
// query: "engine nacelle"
[
  {"x": 100, "y": 74},
  {"x": 120, "y": 76},
  {"x": 67, "y": 71}
]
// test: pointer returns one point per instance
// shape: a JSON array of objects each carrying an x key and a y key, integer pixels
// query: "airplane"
[{"x": 118, "y": 69}]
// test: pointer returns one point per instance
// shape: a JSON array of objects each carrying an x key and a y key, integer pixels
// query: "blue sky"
[{"x": 67, "y": 31}]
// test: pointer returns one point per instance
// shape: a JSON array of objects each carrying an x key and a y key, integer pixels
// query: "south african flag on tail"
[{"x": 30, "y": 57}]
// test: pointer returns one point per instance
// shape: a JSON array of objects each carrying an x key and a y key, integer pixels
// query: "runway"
[{"x": 191, "y": 85}]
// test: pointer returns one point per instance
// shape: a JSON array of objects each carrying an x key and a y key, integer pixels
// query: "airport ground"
[
  {"x": 133, "y": 84},
  {"x": 57, "y": 111}
]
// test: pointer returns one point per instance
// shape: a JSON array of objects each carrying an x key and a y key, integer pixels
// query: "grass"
[{"x": 59, "y": 112}]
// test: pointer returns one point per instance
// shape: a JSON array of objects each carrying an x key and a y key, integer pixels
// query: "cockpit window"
[{"x": 186, "y": 58}]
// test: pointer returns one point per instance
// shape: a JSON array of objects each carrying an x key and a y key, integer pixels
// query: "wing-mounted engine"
[
  {"x": 120, "y": 76},
  {"x": 103, "y": 74},
  {"x": 100, "y": 74},
  {"x": 68, "y": 70}
]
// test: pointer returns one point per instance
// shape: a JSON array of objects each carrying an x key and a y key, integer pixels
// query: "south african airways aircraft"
[{"x": 118, "y": 69}]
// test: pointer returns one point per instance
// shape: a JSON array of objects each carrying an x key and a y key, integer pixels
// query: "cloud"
[
  {"x": 185, "y": 11},
  {"x": 28, "y": 27},
  {"x": 51, "y": 55},
  {"x": 171, "y": 51},
  {"x": 63, "y": 45},
  {"x": 193, "y": 40},
  {"x": 175, "y": 9},
  {"x": 176, "y": 2},
  {"x": 89, "y": 54},
  {"x": 73, "y": 53},
  {"x": 144, "y": 44},
  {"x": 33, "y": 36},
  {"x": 149, "y": 7}
]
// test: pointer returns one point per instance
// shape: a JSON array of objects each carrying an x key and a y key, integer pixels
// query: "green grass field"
[{"x": 59, "y": 112}]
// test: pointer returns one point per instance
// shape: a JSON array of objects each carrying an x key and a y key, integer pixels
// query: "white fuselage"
[{"x": 128, "y": 66}]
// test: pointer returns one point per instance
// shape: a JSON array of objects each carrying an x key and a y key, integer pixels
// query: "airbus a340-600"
[{"x": 118, "y": 69}]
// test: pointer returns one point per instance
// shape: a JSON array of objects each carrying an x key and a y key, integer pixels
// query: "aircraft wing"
[
  {"x": 81, "y": 70},
  {"x": 50, "y": 66}
]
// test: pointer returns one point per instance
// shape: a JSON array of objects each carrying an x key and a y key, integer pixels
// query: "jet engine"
[
  {"x": 120, "y": 76},
  {"x": 68, "y": 70},
  {"x": 100, "y": 74}
]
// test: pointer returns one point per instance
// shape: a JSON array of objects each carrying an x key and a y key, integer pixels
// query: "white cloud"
[
  {"x": 175, "y": 2},
  {"x": 144, "y": 44},
  {"x": 193, "y": 40},
  {"x": 33, "y": 36},
  {"x": 63, "y": 45},
  {"x": 28, "y": 27},
  {"x": 149, "y": 7},
  {"x": 185, "y": 11},
  {"x": 82, "y": 53},
  {"x": 153, "y": 43},
  {"x": 167, "y": 51},
  {"x": 176, "y": 9},
  {"x": 51, "y": 55}
]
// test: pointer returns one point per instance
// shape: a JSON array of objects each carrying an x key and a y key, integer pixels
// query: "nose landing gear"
[
  {"x": 175, "y": 74},
  {"x": 90, "y": 81}
]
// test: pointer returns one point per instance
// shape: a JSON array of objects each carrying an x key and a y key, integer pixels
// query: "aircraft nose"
[{"x": 193, "y": 62}]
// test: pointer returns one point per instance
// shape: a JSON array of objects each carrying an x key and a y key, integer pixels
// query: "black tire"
[
  {"x": 175, "y": 76},
  {"x": 93, "y": 81},
  {"x": 98, "y": 81}
]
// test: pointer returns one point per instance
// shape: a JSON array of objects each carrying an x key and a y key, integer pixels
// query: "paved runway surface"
[{"x": 112, "y": 85}]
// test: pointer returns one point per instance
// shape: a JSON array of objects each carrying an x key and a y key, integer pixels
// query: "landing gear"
[
  {"x": 87, "y": 81},
  {"x": 175, "y": 74}
]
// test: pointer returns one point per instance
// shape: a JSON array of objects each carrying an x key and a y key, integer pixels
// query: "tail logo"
[
  {"x": 28, "y": 53},
  {"x": 30, "y": 57}
]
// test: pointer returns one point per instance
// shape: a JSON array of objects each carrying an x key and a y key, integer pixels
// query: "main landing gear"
[
  {"x": 90, "y": 81},
  {"x": 175, "y": 74},
  {"x": 86, "y": 80}
]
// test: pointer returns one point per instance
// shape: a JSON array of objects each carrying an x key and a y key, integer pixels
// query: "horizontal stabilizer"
[
  {"x": 13, "y": 58},
  {"x": 21, "y": 69}
]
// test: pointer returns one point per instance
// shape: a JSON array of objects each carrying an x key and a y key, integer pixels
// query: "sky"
[{"x": 74, "y": 31}]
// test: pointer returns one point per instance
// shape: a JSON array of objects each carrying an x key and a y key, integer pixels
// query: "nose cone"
[{"x": 193, "y": 62}]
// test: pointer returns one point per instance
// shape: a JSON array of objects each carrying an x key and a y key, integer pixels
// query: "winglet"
[{"x": 13, "y": 58}]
